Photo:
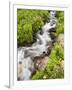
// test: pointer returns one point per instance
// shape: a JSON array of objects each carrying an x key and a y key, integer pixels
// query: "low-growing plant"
[
  {"x": 53, "y": 69},
  {"x": 28, "y": 23},
  {"x": 60, "y": 22}
]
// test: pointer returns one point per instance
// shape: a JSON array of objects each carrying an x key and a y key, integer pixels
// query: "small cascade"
[{"x": 40, "y": 47}]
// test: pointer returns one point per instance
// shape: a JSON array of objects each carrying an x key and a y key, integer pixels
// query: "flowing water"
[{"x": 40, "y": 47}]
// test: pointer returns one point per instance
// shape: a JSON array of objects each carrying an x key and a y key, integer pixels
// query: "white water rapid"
[{"x": 26, "y": 54}]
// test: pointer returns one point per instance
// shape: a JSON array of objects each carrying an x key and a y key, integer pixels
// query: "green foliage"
[
  {"x": 60, "y": 22},
  {"x": 28, "y": 23},
  {"x": 38, "y": 23},
  {"x": 25, "y": 35},
  {"x": 53, "y": 69},
  {"x": 38, "y": 75},
  {"x": 57, "y": 53}
]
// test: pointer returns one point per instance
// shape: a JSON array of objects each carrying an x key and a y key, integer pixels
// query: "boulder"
[
  {"x": 41, "y": 63},
  {"x": 20, "y": 69}
]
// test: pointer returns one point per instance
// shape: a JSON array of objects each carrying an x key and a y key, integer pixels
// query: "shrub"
[
  {"x": 25, "y": 34},
  {"x": 28, "y": 23},
  {"x": 53, "y": 69},
  {"x": 60, "y": 22}
]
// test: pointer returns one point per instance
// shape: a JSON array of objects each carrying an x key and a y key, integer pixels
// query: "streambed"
[{"x": 35, "y": 57}]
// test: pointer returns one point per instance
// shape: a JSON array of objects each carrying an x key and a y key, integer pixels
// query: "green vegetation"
[
  {"x": 28, "y": 23},
  {"x": 53, "y": 69},
  {"x": 60, "y": 22}
]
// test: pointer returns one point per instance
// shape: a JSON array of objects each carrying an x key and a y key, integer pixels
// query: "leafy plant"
[
  {"x": 60, "y": 22},
  {"x": 28, "y": 23},
  {"x": 53, "y": 69}
]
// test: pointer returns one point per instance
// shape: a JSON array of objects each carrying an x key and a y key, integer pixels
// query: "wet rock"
[
  {"x": 20, "y": 69},
  {"x": 52, "y": 30},
  {"x": 40, "y": 63},
  {"x": 35, "y": 57}
]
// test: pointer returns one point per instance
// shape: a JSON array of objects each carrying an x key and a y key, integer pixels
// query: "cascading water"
[{"x": 40, "y": 47}]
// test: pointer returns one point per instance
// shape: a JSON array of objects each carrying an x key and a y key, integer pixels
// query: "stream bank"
[{"x": 41, "y": 58}]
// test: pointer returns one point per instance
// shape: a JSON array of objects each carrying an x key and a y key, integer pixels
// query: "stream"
[{"x": 26, "y": 55}]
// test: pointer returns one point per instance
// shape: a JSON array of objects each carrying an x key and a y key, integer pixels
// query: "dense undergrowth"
[
  {"x": 53, "y": 69},
  {"x": 29, "y": 22}
]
